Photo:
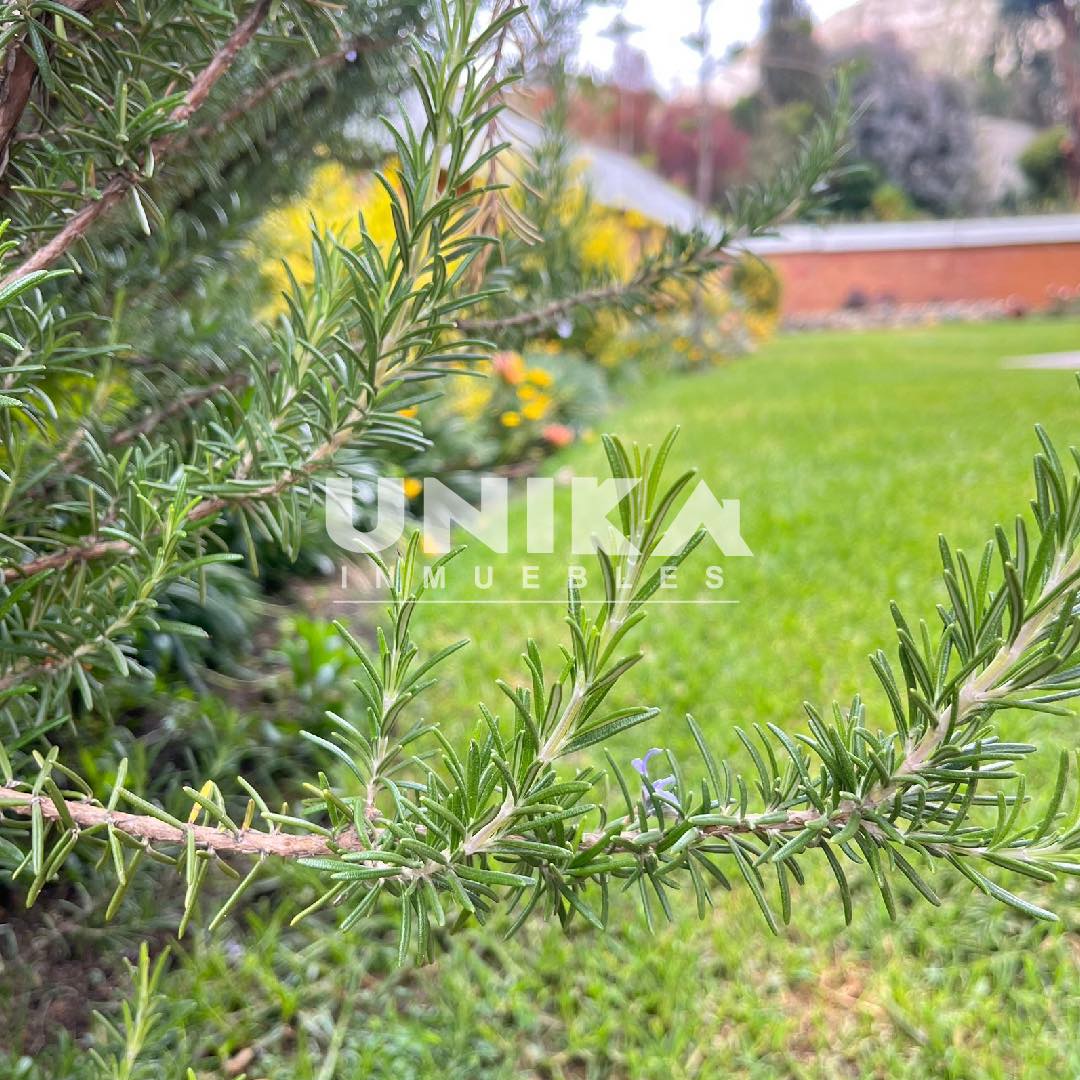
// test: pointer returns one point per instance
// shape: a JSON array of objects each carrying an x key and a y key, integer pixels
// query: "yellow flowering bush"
[
  {"x": 332, "y": 201},
  {"x": 526, "y": 406},
  {"x": 758, "y": 287},
  {"x": 540, "y": 399},
  {"x": 608, "y": 244},
  {"x": 519, "y": 396},
  {"x": 726, "y": 315}
]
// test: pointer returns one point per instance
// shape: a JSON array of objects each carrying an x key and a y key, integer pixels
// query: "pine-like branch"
[
  {"x": 119, "y": 186},
  {"x": 21, "y": 76},
  {"x": 504, "y": 816},
  {"x": 260, "y": 95},
  {"x": 640, "y": 291}
]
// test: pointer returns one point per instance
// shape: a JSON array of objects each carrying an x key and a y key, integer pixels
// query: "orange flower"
[
  {"x": 558, "y": 435},
  {"x": 509, "y": 366}
]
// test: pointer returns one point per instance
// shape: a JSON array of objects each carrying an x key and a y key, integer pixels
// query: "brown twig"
[
  {"x": 88, "y": 815},
  {"x": 545, "y": 315},
  {"x": 92, "y": 548},
  {"x": 979, "y": 690},
  {"x": 87, "y": 551},
  {"x": 81, "y": 222},
  {"x": 154, "y": 830},
  {"x": 244, "y": 106},
  {"x": 184, "y": 403},
  {"x": 549, "y": 313},
  {"x": 20, "y": 74}
]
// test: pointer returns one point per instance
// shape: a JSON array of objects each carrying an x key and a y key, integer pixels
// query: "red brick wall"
[{"x": 824, "y": 281}]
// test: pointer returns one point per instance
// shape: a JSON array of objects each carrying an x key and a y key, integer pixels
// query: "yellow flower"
[
  {"x": 539, "y": 377},
  {"x": 537, "y": 409},
  {"x": 526, "y": 392},
  {"x": 408, "y": 413},
  {"x": 412, "y": 487},
  {"x": 760, "y": 326},
  {"x": 510, "y": 419},
  {"x": 608, "y": 247},
  {"x": 334, "y": 198},
  {"x": 473, "y": 401}
]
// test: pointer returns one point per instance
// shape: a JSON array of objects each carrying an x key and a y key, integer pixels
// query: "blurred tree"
[
  {"x": 701, "y": 43},
  {"x": 677, "y": 143},
  {"x": 792, "y": 89},
  {"x": 1017, "y": 79},
  {"x": 776, "y": 136},
  {"x": 1065, "y": 15},
  {"x": 853, "y": 188},
  {"x": 630, "y": 76},
  {"x": 1045, "y": 163},
  {"x": 916, "y": 129},
  {"x": 792, "y": 63}
]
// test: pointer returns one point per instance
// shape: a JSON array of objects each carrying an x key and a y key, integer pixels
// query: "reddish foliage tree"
[
  {"x": 676, "y": 142},
  {"x": 614, "y": 116}
]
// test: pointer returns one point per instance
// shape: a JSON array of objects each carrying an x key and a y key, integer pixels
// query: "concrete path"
[{"x": 1048, "y": 361}]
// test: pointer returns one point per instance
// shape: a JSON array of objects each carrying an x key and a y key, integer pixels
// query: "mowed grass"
[{"x": 850, "y": 454}]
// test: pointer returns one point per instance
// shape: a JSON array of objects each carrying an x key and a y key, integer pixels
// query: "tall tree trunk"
[{"x": 705, "y": 174}]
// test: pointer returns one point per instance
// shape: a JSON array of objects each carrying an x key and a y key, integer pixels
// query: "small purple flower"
[
  {"x": 659, "y": 787},
  {"x": 641, "y": 764},
  {"x": 351, "y": 55}
]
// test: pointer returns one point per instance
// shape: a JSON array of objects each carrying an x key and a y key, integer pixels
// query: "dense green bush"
[{"x": 1044, "y": 165}]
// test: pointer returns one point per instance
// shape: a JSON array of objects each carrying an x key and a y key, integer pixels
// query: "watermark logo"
[
  {"x": 488, "y": 522},
  {"x": 594, "y": 505}
]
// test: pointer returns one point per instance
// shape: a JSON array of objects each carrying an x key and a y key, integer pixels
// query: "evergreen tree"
[{"x": 792, "y": 63}]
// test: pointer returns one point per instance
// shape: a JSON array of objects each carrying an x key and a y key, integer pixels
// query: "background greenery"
[{"x": 849, "y": 453}]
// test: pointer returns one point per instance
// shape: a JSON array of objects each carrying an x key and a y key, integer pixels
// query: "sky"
[{"x": 664, "y": 24}]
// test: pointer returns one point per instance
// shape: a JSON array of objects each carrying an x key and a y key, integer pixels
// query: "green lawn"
[{"x": 849, "y": 454}]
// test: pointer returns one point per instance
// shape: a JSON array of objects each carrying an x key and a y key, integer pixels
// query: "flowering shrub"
[
  {"x": 543, "y": 398},
  {"x": 591, "y": 242},
  {"x": 529, "y": 405},
  {"x": 758, "y": 287},
  {"x": 332, "y": 201},
  {"x": 682, "y": 339},
  {"x": 613, "y": 241}
]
